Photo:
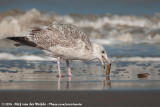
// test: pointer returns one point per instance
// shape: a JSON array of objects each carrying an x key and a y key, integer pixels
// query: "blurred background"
[
  {"x": 128, "y": 29},
  {"x": 121, "y": 7},
  {"x": 122, "y": 21}
]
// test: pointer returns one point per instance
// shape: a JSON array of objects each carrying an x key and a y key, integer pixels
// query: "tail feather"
[{"x": 23, "y": 40}]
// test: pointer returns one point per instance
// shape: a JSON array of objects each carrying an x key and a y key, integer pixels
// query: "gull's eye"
[{"x": 103, "y": 51}]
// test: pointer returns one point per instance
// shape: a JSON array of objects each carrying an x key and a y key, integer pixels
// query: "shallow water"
[
  {"x": 29, "y": 68},
  {"x": 121, "y": 52},
  {"x": 42, "y": 75},
  {"x": 132, "y": 43}
]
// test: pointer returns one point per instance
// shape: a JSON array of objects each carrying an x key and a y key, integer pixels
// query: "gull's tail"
[{"x": 22, "y": 41}]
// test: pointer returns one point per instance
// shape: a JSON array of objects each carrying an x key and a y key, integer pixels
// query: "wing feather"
[{"x": 58, "y": 34}]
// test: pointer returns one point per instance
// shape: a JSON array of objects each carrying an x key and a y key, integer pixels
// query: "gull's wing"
[{"x": 64, "y": 35}]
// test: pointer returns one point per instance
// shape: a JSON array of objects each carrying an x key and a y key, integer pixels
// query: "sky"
[{"x": 85, "y": 6}]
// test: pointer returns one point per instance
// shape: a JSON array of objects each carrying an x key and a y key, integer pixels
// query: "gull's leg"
[
  {"x": 68, "y": 82},
  {"x": 58, "y": 64},
  {"x": 59, "y": 83},
  {"x": 68, "y": 68}
]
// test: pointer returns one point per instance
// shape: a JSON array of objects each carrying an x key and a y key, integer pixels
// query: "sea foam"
[
  {"x": 111, "y": 28},
  {"x": 9, "y": 56}
]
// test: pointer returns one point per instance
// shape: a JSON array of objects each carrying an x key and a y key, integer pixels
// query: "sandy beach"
[
  {"x": 41, "y": 75},
  {"x": 28, "y": 68},
  {"x": 35, "y": 82},
  {"x": 129, "y": 32}
]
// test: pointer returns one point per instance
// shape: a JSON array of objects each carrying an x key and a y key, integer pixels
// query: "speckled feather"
[
  {"x": 59, "y": 40},
  {"x": 64, "y": 35},
  {"x": 63, "y": 41}
]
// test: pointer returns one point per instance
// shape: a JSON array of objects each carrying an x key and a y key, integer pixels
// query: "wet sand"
[
  {"x": 36, "y": 81},
  {"x": 42, "y": 75},
  {"x": 137, "y": 98},
  {"x": 131, "y": 82}
]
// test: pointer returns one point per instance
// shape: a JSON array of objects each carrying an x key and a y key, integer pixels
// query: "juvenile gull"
[{"x": 63, "y": 41}]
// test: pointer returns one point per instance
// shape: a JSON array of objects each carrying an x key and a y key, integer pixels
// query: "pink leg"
[
  {"x": 68, "y": 82},
  {"x": 68, "y": 68},
  {"x": 59, "y": 83},
  {"x": 58, "y": 64}
]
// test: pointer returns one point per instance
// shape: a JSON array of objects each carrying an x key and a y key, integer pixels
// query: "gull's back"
[{"x": 58, "y": 34}]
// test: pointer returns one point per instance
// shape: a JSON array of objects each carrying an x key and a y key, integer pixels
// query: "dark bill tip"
[{"x": 104, "y": 67}]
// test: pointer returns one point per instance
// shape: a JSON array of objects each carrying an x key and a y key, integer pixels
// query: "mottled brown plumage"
[
  {"x": 58, "y": 34},
  {"x": 63, "y": 41}
]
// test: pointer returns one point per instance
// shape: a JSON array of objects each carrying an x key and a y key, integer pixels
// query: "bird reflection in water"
[
  {"x": 59, "y": 83},
  {"x": 107, "y": 83}
]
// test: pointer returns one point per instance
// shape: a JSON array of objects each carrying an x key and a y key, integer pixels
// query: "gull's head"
[{"x": 100, "y": 53}]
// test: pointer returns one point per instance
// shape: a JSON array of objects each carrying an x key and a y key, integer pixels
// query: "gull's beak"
[
  {"x": 107, "y": 63},
  {"x": 102, "y": 63},
  {"x": 105, "y": 60}
]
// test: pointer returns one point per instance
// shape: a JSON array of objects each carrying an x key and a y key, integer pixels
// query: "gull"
[{"x": 64, "y": 42}]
